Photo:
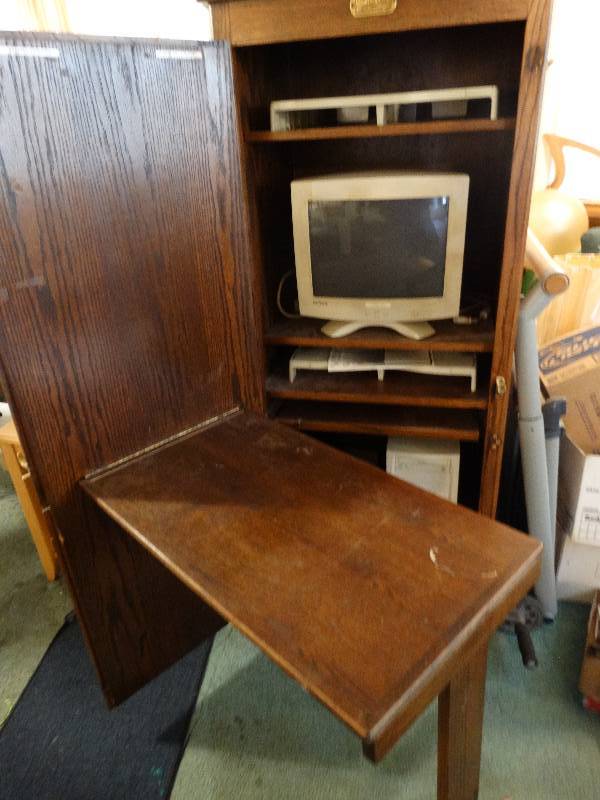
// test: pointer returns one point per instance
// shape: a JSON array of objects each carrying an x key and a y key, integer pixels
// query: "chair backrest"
[{"x": 556, "y": 145}]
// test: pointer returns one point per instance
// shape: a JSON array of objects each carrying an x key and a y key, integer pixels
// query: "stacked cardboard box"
[
  {"x": 570, "y": 367},
  {"x": 589, "y": 682}
]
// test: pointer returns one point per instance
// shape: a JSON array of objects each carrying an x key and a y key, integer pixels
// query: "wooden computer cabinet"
[
  {"x": 144, "y": 226},
  {"x": 284, "y": 50}
]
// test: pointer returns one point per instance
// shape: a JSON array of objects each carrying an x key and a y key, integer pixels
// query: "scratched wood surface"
[
  {"x": 125, "y": 297},
  {"x": 365, "y": 589}
]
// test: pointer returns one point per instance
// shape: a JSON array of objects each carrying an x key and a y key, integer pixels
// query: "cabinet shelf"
[
  {"x": 497, "y": 156},
  {"x": 378, "y": 131},
  {"x": 305, "y": 332},
  {"x": 428, "y": 423},
  {"x": 397, "y": 389}
]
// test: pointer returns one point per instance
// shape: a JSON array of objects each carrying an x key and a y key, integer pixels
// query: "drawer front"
[{"x": 246, "y": 22}]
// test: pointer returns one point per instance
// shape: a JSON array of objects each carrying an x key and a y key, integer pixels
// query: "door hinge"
[{"x": 500, "y": 385}]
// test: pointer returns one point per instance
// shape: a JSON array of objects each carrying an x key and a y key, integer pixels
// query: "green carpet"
[
  {"x": 31, "y": 609},
  {"x": 256, "y": 734}
]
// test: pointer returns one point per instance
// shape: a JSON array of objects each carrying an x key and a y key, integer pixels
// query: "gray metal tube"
[
  {"x": 553, "y": 410},
  {"x": 533, "y": 445},
  {"x": 552, "y": 455}
]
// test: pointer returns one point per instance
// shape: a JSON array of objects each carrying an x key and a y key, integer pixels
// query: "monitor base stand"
[{"x": 412, "y": 330}]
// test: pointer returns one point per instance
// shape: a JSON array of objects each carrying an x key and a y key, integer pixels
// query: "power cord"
[
  {"x": 474, "y": 312},
  {"x": 287, "y": 314}
]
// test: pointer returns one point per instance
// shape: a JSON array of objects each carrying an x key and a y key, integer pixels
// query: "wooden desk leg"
[
  {"x": 460, "y": 729},
  {"x": 32, "y": 511}
]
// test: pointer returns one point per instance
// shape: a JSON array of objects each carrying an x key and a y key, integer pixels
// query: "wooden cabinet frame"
[
  {"x": 135, "y": 315},
  {"x": 252, "y": 26}
]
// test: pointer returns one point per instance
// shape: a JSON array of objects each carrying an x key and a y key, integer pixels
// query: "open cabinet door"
[{"x": 126, "y": 307}]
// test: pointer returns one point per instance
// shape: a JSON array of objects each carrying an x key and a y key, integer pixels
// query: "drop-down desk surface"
[{"x": 370, "y": 592}]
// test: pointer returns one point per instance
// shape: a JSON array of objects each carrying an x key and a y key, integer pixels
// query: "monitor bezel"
[{"x": 381, "y": 186}]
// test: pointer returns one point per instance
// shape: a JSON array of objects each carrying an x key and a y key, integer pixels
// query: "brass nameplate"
[{"x": 372, "y": 8}]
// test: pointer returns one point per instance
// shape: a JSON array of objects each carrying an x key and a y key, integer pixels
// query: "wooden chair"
[
  {"x": 556, "y": 145},
  {"x": 40, "y": 524}
]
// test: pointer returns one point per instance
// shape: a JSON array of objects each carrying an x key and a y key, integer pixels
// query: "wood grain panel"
[
  {"x": 517, "y": 217},
  {"x": 125, "y": 299},
  {"x": 132, "y": 606},
  {"x": 250, "y": 22},
  {"x": 365, "y": 589}
]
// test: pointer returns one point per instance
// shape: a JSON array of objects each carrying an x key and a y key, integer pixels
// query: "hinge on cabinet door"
[
  {"x": 495, "y": 441},
  {"x": 207, "y": 423},
  {"x": 536, "y": 58},
  {"x": 500, "y": 385}
]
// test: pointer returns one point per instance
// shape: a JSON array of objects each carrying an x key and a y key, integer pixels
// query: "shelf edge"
[{"x": 374, "y": 131}]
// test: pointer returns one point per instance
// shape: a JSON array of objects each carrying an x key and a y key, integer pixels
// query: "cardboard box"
[
  {"x": 570, "y": 367},
  {"x": 589, "y": 682},
  {"x": 578, "y": 504},
  {"x": 578, "y": 577}
]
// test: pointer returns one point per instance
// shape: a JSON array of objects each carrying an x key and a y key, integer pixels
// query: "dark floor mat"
[{"x": 62, "y": 743}]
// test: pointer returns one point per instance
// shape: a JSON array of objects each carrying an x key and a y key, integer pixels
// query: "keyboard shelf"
[
  {"x": 383, "y": 420},
  {"x": 397, "y": 388},
  {"x": 433, "y": 128}
]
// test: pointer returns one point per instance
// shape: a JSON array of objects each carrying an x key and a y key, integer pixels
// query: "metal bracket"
[{"x": 372, "y": 8}]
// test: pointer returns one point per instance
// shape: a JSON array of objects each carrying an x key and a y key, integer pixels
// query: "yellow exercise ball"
[{"x": 558, "y": 220}]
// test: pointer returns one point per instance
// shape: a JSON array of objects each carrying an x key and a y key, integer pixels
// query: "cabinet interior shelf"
[
  {"x": 397, "y": 388},
  {"x": 428, "y": 423},
  {"x": 378, "y": 131},
  {"x": 305, "y": 332}
]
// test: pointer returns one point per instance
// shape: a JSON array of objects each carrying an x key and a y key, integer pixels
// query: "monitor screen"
[{"x": 378, "y": 248}]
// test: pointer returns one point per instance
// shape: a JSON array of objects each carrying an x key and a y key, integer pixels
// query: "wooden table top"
[{"x": 366, "y": 590}]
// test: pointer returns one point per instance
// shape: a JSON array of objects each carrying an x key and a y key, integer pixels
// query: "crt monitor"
[{"x": 380, "y": 249}]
